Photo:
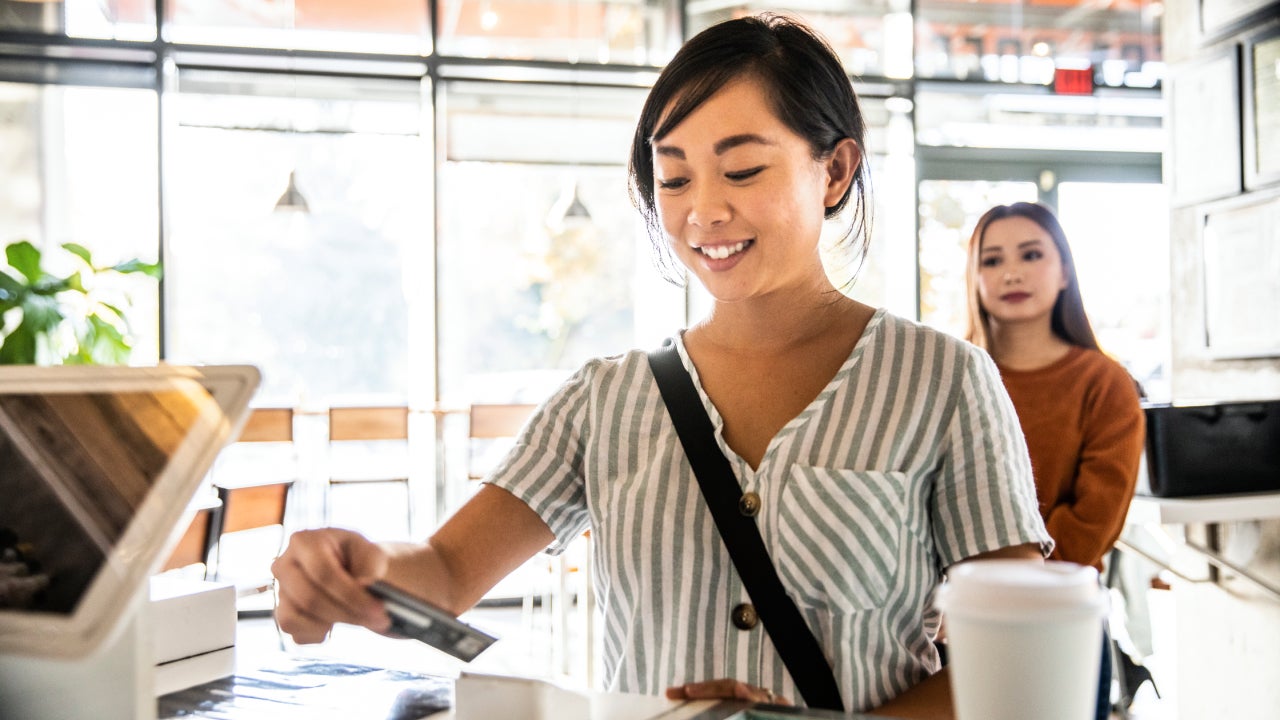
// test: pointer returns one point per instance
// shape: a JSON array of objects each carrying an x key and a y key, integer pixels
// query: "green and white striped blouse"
[{"x": 910, "y": 460}]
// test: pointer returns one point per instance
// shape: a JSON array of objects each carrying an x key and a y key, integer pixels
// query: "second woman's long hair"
[{"x": 1068, "y": 320}]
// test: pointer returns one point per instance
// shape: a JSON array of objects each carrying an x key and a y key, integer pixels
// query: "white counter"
[{"x": 1205, "y": 509}]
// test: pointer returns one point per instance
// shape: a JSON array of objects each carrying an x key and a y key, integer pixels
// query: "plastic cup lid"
[{"x": 1021, "y": 589}]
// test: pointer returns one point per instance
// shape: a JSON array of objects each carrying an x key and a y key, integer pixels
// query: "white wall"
[{"x": 1228, "y": 643}]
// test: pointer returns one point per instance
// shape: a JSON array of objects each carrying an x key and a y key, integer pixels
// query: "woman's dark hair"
[
  {"x": 806, "y": 85},
  {"x": 1068, "y": 319}
]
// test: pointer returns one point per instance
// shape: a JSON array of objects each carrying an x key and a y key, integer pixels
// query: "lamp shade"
[
  {"x": 576, "y": 209},
  {"x": 291, "y": 199},
  {"x": 568, "y": 210}
]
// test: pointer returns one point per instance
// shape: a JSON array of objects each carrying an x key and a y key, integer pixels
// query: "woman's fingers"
[
  {"x": 321, "y": 580},
  {"x": 303, "y": 628},
  {"x": 724, "y": 688}
]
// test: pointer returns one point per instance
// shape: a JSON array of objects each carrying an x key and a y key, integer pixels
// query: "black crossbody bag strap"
[{"x": 787, "y": 629}]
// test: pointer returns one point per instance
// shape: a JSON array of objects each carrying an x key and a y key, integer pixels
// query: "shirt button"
[
  {"x": 749, "y": 504},
  {"x": 745, "y": 617}
]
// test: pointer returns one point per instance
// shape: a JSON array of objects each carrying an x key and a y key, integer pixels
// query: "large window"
[
  {"x": 543, "y": 262},
  {"x": 1034, "y": 118},
  {"x": 428, "y": 201},
  {"x": 620, "y": 32},
  {"x": 873, "y": 37},
  {"x": 322, "y": 298},
  {"x": 1023, "y": 41},
  {"x": 129, "y": 20},
  {"x": 372, "y": 26},
  {"x": 78, "y": 165}
]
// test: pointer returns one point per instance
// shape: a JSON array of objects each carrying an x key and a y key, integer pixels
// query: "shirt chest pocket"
[{"x": 839, "y": 536}]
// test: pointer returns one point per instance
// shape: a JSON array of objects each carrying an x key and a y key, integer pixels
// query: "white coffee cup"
[{"x": 1024, "y": 639}]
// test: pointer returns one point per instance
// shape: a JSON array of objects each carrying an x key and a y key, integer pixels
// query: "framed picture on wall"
[
  {"x": 1262, "y": 109},
  {"x": 1205, "y": 127},
  {"x": 1241, "y": 245}
]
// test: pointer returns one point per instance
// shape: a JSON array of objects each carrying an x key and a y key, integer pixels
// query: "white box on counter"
[{"x": 193, "y": 631}]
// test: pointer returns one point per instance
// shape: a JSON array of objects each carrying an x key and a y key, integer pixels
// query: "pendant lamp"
[
  {"x": 291, "y": 199},
  {"x": 576, "y": 210}
]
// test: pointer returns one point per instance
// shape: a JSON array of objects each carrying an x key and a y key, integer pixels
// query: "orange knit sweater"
[{"x": 1085, "y": 432}]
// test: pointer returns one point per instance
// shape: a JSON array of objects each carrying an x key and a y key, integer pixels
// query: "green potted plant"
[{"x": 49, "y": 319}]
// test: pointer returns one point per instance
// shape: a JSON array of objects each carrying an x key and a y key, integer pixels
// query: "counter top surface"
[
  {"x": 1204, "y": 509},
  {"x": 288, "y": 687}
]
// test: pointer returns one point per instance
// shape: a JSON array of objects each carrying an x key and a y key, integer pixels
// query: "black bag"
[
  {"x": 1212, "y": 449},
  {"x": 792, "y": 637}
]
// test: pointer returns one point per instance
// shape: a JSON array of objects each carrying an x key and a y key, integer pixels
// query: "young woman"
[
  {"x": 882, "y": 452},
  {"x": 1078, "y": 408}
]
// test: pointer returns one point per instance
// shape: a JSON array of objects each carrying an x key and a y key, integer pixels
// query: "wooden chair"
[
  {"x": 373, "y": 428},
  {"x": 254, "y": 500},
  {"x": 491, "y": 429},
  {"x": 246, "y": 507},
  {"x": 197, "y": 542}
]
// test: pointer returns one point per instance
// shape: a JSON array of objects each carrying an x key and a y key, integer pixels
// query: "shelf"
[{"x": 1207, "y": 509}]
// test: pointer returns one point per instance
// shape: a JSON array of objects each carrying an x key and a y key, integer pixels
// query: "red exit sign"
[{"x": 1069, "y": 81}]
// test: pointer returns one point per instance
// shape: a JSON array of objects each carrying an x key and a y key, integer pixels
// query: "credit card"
[{"x": 413, "y": 617}]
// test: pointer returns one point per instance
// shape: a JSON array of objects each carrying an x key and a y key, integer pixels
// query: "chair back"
[
  {"x": 369, "y": 423},
  {"x": 254, "y": 479},
  {"x": 268, "y": 425},
  {"x": 492, "y": 428},
  {"x": 369, "y": 445},
  {"x": 193, "y": 547},
  {"x": 254, "y": 506}
]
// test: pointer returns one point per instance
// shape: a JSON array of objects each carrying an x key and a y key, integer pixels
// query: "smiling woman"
[
  {"x": 869, "y": 453},
  {"x": 731, "y": 174}
]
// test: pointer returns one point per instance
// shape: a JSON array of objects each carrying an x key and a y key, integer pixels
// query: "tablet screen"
[{"x": 96, "y": 470}]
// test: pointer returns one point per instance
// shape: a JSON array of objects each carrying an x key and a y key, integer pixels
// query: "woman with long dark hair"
[{"x": 1078, "y": 408}]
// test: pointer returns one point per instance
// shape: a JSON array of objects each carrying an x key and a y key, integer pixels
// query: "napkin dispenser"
[{"x": 1212, "y": 449}]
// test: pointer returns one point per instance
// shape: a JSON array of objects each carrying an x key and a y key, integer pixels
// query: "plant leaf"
[
  {"x": 137, "y": 266},
  {"x": 25, "y": 258},
  {"x": 47, "y": 311},
  {"x": 41, "y": 313},
  {"x": 11, "y": 291},
  {"x": 111, "y": 308},
  {"x": 103, "y": 343},
  {"x": 76, "y": 282},
  {"x": 52, "y": 285},
  {"x": 79, "y": 251},
  {"x": 18, "y": 347}
]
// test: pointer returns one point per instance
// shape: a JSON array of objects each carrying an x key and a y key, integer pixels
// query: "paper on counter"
[{"x": 483, "y": 697}]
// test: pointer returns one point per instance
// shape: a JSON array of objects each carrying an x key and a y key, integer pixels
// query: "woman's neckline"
[{"x": 1069, "y": 354}]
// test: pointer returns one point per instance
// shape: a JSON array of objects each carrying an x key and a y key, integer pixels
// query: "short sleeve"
[
  {"x": 984, "y": 494},
  {"x": 545, "y": 467}
]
